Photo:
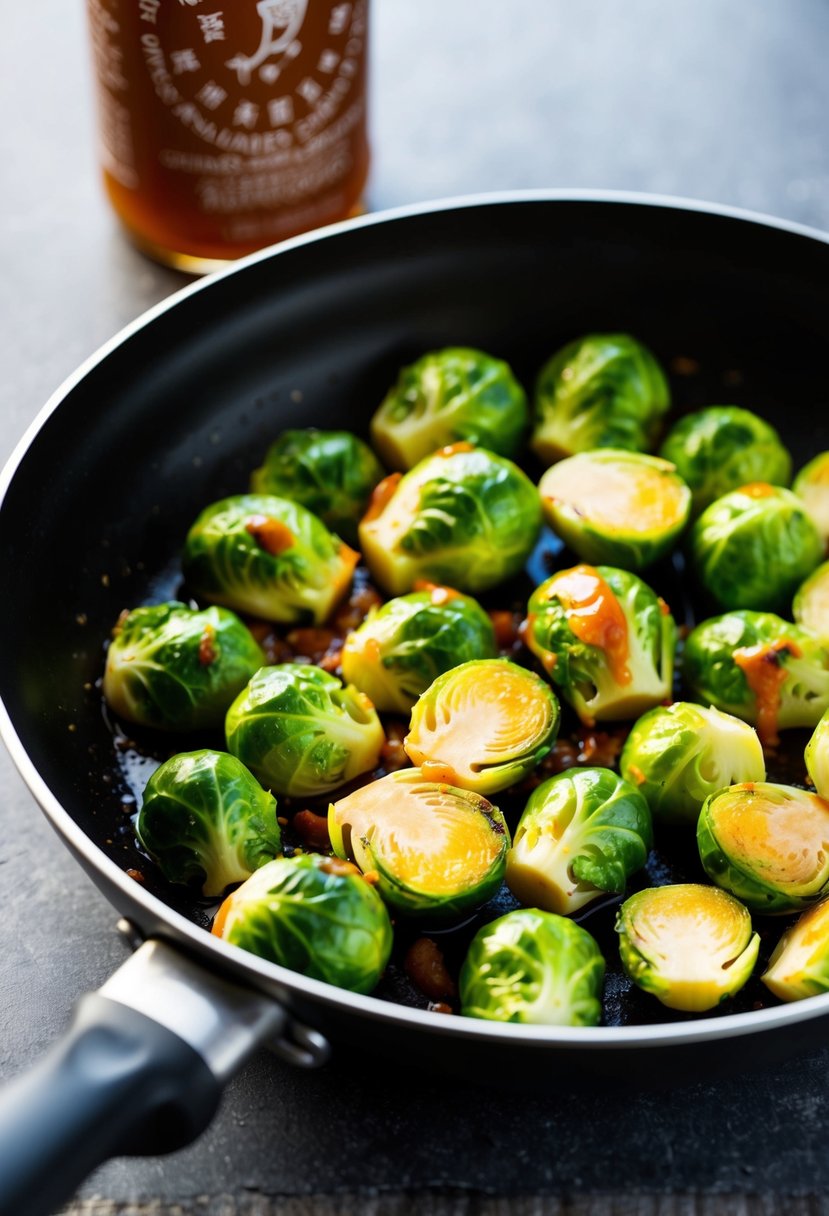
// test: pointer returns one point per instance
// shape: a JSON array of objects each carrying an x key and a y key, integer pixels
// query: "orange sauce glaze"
[
  {"x": 380, "y": 496},
  {"x": 758, "y": 489},
  {"x": 594, "y": 615},
  {"x": 270, "y": 534},
  {"x": 765, "y": 676}
]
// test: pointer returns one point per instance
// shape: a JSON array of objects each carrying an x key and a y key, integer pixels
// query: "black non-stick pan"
[{"x": 173, "y": 414}]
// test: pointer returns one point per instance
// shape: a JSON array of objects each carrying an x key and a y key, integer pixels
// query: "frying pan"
[{"x": 172, "y": 414}]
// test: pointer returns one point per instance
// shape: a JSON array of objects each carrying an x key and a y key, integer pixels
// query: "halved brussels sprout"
[
  {"x": 723, "y": 447},
  {"x": 605, "y": 639},
  {"x": 689, "y": 945},
  {"x": 767, "y": 844},
  {"x": 483, "y": 725},
  {"x": 437, "y": 851},
  {"x": 582, "y": 834},
  {"x": 817, "y": 757},
  {"x": 463, "y": 516},
  {"x": 451, "y": 395},
  {"x": 622, "y": 508},
  {"x": 760, "y": 668},
  {"x": 177, "y": 668},
  {"x": 679, "y": 754},
  {"x": 269, "y": 557},
  {"x": 811, "y": 603},
  {"x": 601, "y": 391},
  {"x": 305, "y": 914},
  {"x": 812, "y": 486},
  {"x": 753, "y": 547},
  {"x": 205, "y": 817},
  {"x": 533, "y": 967},
  {"x": 799, "y": 965},
  {"x": 332, "y": 473},
  {"x": 301, "y": 732},
  {"x": 401, "y": 647}
]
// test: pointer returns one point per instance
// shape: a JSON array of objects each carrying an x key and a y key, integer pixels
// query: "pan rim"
[{"x": 259, "y": 972}]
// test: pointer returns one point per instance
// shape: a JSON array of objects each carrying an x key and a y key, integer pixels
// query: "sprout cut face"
[
  {"x": 622, "y": 508},
  {"x": 269, "y": 557},
  {"x": 534, "y": 968},
  {"x": 799, "y": 966},
  {"x": 204, "y": 817},
  {"x": 462, "y": 517},
  {"x": 483, "y": 725},
  {"x": 601, "y": 391},
  {"x": 450, "y": 396},
  {"x": 812, "y": 486},
  {"x": 766, "y": 844},
  {"x": 305, "y": 914},
  {"x": 437, "y": 851},
  {"x": 582, "y": 834},
  {"x": 605, "y": 639},
  {"x": 811, "y": 603},
  {"x": 301, "y": 732},
  {"x": 404, "y": 645},
  {"x": 689, "y": 945},
  {"x": 817, "y": 757},
  {"x": 677, "y": 755},
  {"x": 178, "y": 669}
]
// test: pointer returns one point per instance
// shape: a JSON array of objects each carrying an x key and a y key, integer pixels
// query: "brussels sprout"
[
  {"x": 462, "y": 516},
  {"x": 812, "y": 486},
  {"x": 205, "y": 817},
  {"x": 306, "y": 914},
  {"x": 582, "y": 833},
  {"x": 799, "y": 966},
  {"x": 533, "y": 967},
  {"x": 331, "y": 473},
  {"x": 679, "y": 754},
  {"x": 175, "y": 668},
  {"x": 483, "y": 725},
  {"x": 817, "y": 757},
  {"x": 752, "y": 548},
  {"x": 447, "y": 396},
  {"x": 269, "y": 557},
  {"x": 301, "y": 732},
  {"x": 722, "y": 448},
  {"x": 759, "y": 668},
  {"x": 605, "y": 639},
  {"x": 601, "y": 391},
  {"x": 437, "y": 851},
  {"x": 691, "y": 946},
  {"x": 617, "y": 507},
  {"x": 766, "y": 844},
  {"x": 401, "y": 647},
  {"x": 811, "y": 603}
]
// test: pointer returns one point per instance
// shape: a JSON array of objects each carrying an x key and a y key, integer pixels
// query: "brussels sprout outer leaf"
[
  {"x": 817, "y": 757},
  {"x": 812, "y": 486},
  {"x": 799, "y": 965},
  {"x": 811, "y": 603}
]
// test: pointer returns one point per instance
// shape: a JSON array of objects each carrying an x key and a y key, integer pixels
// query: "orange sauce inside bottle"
[{"x": 594, "y": 615}]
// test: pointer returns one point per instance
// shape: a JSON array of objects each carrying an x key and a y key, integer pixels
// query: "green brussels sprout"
[
  {"x": 463, "y": 516},
  {"x": 601, "y": 391},
  {"x": 799, "y": 965},
  {"x": 766, "y": 844},
  {"x": 447, "y": 396},
  {"x": 269, "y": 557},
  {"x": 812, "y": 486},
  {"x": 605, "y": 639},
  {"x": 622, "y": 508},
  {"x": 752, "y": 547},
  {"x": 305, "y": 913},
  {"x": 582, "y": 833},
  {"x": 401, "y": 647},
  {"x": 177, "y": 668},
  {"x": 331, "y": 473},
  {"x": 301, "y": 732},
  {"x": 723, "y": 447},
  {"x": 205, "y": 817},
  {"x": 760, "y": 668},
  {"x": 811, "y": 603},
  {"x": 533, "y": 967},
  {"x": 679, "y": 754},
  {"x": 689, "y": 945},
  {"x": 483, "y": 725},
  {"x": 436, "y": 851},
  {"x": 817, "y": 757}
]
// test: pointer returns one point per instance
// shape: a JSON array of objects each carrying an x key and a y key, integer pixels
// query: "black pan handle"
[{"x": 140, "y": 1070}]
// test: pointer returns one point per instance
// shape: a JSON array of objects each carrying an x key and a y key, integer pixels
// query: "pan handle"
[{"x": 140, "y": 1070}]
